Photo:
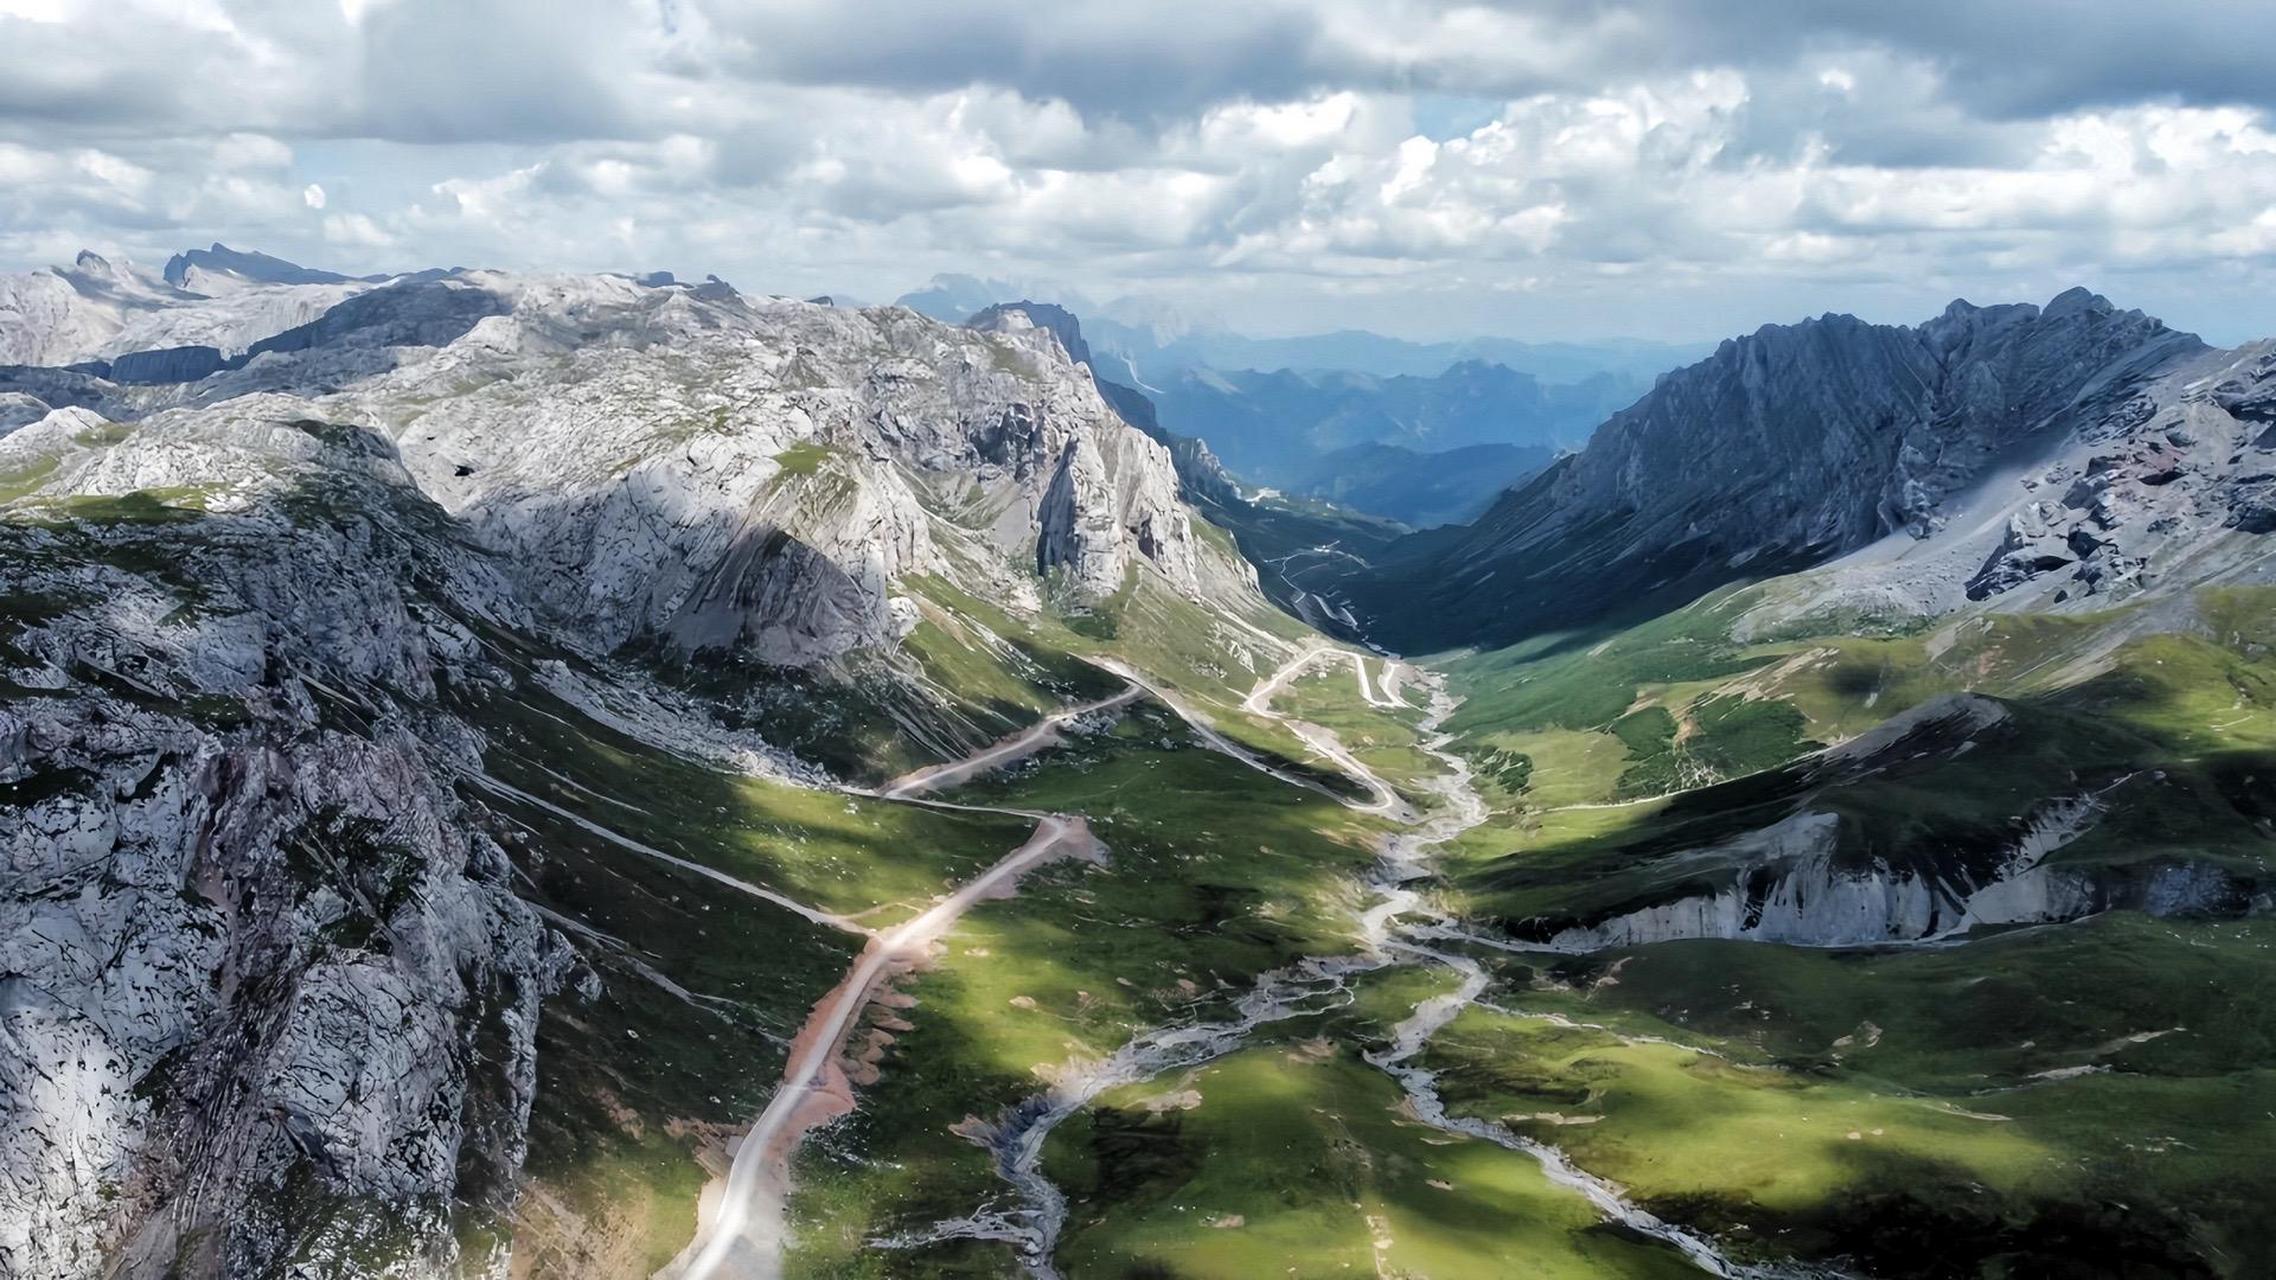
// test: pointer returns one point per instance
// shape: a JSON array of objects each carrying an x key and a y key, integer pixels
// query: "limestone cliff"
[{"x": 2047, "y": 455}]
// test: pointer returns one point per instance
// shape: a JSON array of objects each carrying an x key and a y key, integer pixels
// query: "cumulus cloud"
[{"x": 1544, "y": 167}]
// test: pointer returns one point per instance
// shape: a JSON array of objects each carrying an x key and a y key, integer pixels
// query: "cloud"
[
  {"x": 1640, "y": 165},
  {"x": 356, "y": 230},
  {"x": 250, "y": 151}
]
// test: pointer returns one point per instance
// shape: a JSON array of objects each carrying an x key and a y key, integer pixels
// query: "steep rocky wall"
[
  {"x": 2076, "y": 445},
  {"x": 269, "y": 995}
]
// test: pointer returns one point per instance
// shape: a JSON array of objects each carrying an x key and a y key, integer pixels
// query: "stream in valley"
[{"x": 1391, "y": 927}]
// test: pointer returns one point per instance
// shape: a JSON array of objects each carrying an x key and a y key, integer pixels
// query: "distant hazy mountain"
[
  {"x": 1281, "y": 428},
  {"x": 247, "y": 267},
  {"x": 1419, "y": 489},
  {"x": 1422, "y": 451},
  {"x": 1352, "y": 417},
  {"x": 953, "y": 299},
  {"x": 1358, "y": 351},
  {"x": 1145, "y": 343}
]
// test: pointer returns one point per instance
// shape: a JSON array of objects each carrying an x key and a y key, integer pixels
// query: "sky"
[{"x": 1670, "y": 169}]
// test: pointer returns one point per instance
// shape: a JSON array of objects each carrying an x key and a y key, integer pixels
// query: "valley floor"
[{"x": 1274, "y": 1023}]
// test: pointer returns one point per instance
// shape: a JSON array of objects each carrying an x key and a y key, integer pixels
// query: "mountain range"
[
  {"x": 1421, "y": 450},
  {"x": 1324, "y": 423},
  {"x": 1144, "y": 342},
  {"x": 583, "y": 775},
  {"x": 2068, "y": 457}
]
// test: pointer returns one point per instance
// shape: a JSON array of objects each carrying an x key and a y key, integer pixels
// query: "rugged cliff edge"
[{"x": 268, "y": 995}]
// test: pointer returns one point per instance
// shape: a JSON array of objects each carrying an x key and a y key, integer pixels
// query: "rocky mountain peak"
[
  {"x": 2076, "y": 299},
  {"x": 661, "y": 462},
  {"x": 253, "y": 267},
  {"x": 1799, "y": 443},
  {"x": 1049, "y": 316}
]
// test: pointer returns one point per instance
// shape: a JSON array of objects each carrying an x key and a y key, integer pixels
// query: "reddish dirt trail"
[{"x": 742, "y": 1230}]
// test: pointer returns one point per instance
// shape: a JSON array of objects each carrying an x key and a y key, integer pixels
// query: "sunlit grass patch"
[
  {"x": 835, "y": 852},
  {"x": 1294, "y": 1158},
  {"x": 2112, "y": 1073},
  {"x": 1214, "y": 874}
]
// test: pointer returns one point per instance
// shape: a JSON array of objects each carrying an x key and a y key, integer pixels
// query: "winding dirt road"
[
  {"x": 1384, "y": 800},
  {"x": 1036, "y": 737},
  {"x": 741, "y": 1222},
  {"x": 741, "y": 1234}
]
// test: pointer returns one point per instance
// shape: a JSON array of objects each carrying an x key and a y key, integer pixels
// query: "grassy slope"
[
  {"x": 2145, "y": 1162},
  {"x": 848, "y": 854},
  {"x": 2072, "y": 1094},
  {"x": 635, "y": 1080},
  {"x": 958, "y": 682},
  {"x": 1293, "y": 1156},
  {"x": 1385, "y": 740},
  {"x": 1563, "y": 737},
  {"x": 1215, "y": 874},
  {"x": 1205, "y": 660},
  {"x": 1294, "y": 1161}
]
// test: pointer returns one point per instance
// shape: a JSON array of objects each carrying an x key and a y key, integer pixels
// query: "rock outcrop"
[
  {"x": 1201, "y": 478},
  {"x": 1826, "y": 868},
  {"x": 97, "y": 310},
  {"x": 269, "y": 996},
  {"x": 65, "y": 314},
  {"x": 2200, "y": 459}
]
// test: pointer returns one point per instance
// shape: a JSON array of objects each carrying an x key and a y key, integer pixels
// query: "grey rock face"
[
  {"x": 687, "y": 465},
  {"x": 2075, "y": 440},
  {"x": 1200, "y": 476},
  {"x": 2164, "y": 488},
  {"x": 229, "y": 323},
  {"x": 1013, "y": 317},
  {"x": 64, "y": 314},
  {"x": 167, "y": 364},
  {"x": 256, "y": 957},
  {"x": 729, "y": 473}
]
